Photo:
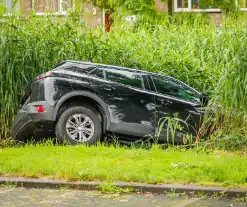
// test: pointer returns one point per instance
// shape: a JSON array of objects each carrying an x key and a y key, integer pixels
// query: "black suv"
[{"x": 81, "y": 101}]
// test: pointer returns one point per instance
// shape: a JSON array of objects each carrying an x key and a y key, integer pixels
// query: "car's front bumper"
[{"x": 28, "y": 119}]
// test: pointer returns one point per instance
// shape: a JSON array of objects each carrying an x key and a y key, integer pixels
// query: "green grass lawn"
[{"x": 121, "y": 164}]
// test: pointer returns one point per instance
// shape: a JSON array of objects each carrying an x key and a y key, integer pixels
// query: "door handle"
[{"x": 109, "y": 89}]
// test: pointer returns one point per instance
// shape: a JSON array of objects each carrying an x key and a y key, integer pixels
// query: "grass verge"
[{"x": 124, "y": 164}]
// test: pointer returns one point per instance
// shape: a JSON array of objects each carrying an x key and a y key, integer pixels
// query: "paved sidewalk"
[{"x": 21, "y": 197}]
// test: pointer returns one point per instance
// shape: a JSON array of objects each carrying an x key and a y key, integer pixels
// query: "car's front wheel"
[{"x": 78, "y": 125}]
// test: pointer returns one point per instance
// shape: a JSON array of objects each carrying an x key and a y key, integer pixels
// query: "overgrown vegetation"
[
  {"x": 109, "y": 187},
  {"x": 209, "y": 58}
]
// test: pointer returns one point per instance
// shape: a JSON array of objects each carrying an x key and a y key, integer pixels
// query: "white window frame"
[
  {"x": 8, "y": 4},
  {"x": 190, "y": 9},
  {"x": 60, "y": 11}
]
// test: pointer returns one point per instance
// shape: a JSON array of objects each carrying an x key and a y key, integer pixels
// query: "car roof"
[
  {"x": 114, "y": 67},
  {"x": 105, "y": 65},
  {"x": 125, "y": 68}
]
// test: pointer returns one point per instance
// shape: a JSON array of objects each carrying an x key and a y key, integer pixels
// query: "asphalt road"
[{"x": 20, "y": 197}]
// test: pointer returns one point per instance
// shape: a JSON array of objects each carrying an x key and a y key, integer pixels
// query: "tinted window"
[
  {"x": 175, "y": 89},
  {"x": 81, "y": 68},
  {"x": 97, "y": 73},
  {"x": 152, "y": 87},
  {"x": 146, "y": 83},
  {"x": 124, "y": 77}
]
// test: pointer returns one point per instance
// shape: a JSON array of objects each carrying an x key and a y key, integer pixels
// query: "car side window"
[
  {"x": 81, "y": 68},
  {"x": 175, "y": 89},
  {"x": 124, "y": 77},
  {"x": 145, "y": 82},
  {"x": 98, "y": 72}
]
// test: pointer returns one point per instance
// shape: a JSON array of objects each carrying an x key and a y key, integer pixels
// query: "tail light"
[
  {"x": 40, "y": 109},
  {"x": 45, "y": 75}
]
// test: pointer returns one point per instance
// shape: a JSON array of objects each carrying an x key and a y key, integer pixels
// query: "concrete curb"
[{"x": 139, "y": 187}]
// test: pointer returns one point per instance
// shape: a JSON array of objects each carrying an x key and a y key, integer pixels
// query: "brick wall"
[
  {"x": 216, "y": 18},
  {"x": 92, "y": 15},
  {"x": 160, "y": 6},
  {"x": 46, "y": 6},
  {"x": 26, "y": 6}
]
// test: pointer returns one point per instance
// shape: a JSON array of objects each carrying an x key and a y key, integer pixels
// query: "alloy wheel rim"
[{"x": 80, "y": 128}]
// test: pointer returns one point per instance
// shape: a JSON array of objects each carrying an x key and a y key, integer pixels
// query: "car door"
[
  {"x": 131, "y": 107},
  {"x": 175, "y": 99}
]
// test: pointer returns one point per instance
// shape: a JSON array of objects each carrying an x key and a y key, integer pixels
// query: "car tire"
[{"x": 63, "y": 133}]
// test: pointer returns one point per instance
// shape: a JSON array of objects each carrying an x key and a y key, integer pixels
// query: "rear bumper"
[{"x": 28, "y": 119}]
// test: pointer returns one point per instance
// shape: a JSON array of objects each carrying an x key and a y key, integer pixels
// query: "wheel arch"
[{"x": 88, "y": 95}]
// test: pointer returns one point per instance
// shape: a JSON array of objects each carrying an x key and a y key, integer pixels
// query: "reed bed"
[{"x": 211, "y": 59}]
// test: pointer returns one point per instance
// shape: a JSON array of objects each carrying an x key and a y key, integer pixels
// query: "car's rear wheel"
[{"x": 78, "y": 125}]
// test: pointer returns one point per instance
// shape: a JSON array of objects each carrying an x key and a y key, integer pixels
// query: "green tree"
[
  {"x": 227, "y": 6},
  {"x": 134, "y": 6}
]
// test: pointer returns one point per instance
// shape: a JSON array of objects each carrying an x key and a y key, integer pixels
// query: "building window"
[
  {"x": 41, "y": 7},
  {"x": 52, "y": 6},
  {"x": 198, "y": 6},
  {"x": 243, "y": 5},
  {"x": 10, "y": 5}
]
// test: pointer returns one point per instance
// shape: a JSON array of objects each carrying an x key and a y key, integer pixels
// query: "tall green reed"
[{"x": 208, "y": 58}]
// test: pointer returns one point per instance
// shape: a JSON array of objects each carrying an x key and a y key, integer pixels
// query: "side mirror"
[{"x": 204, "y": 99}]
